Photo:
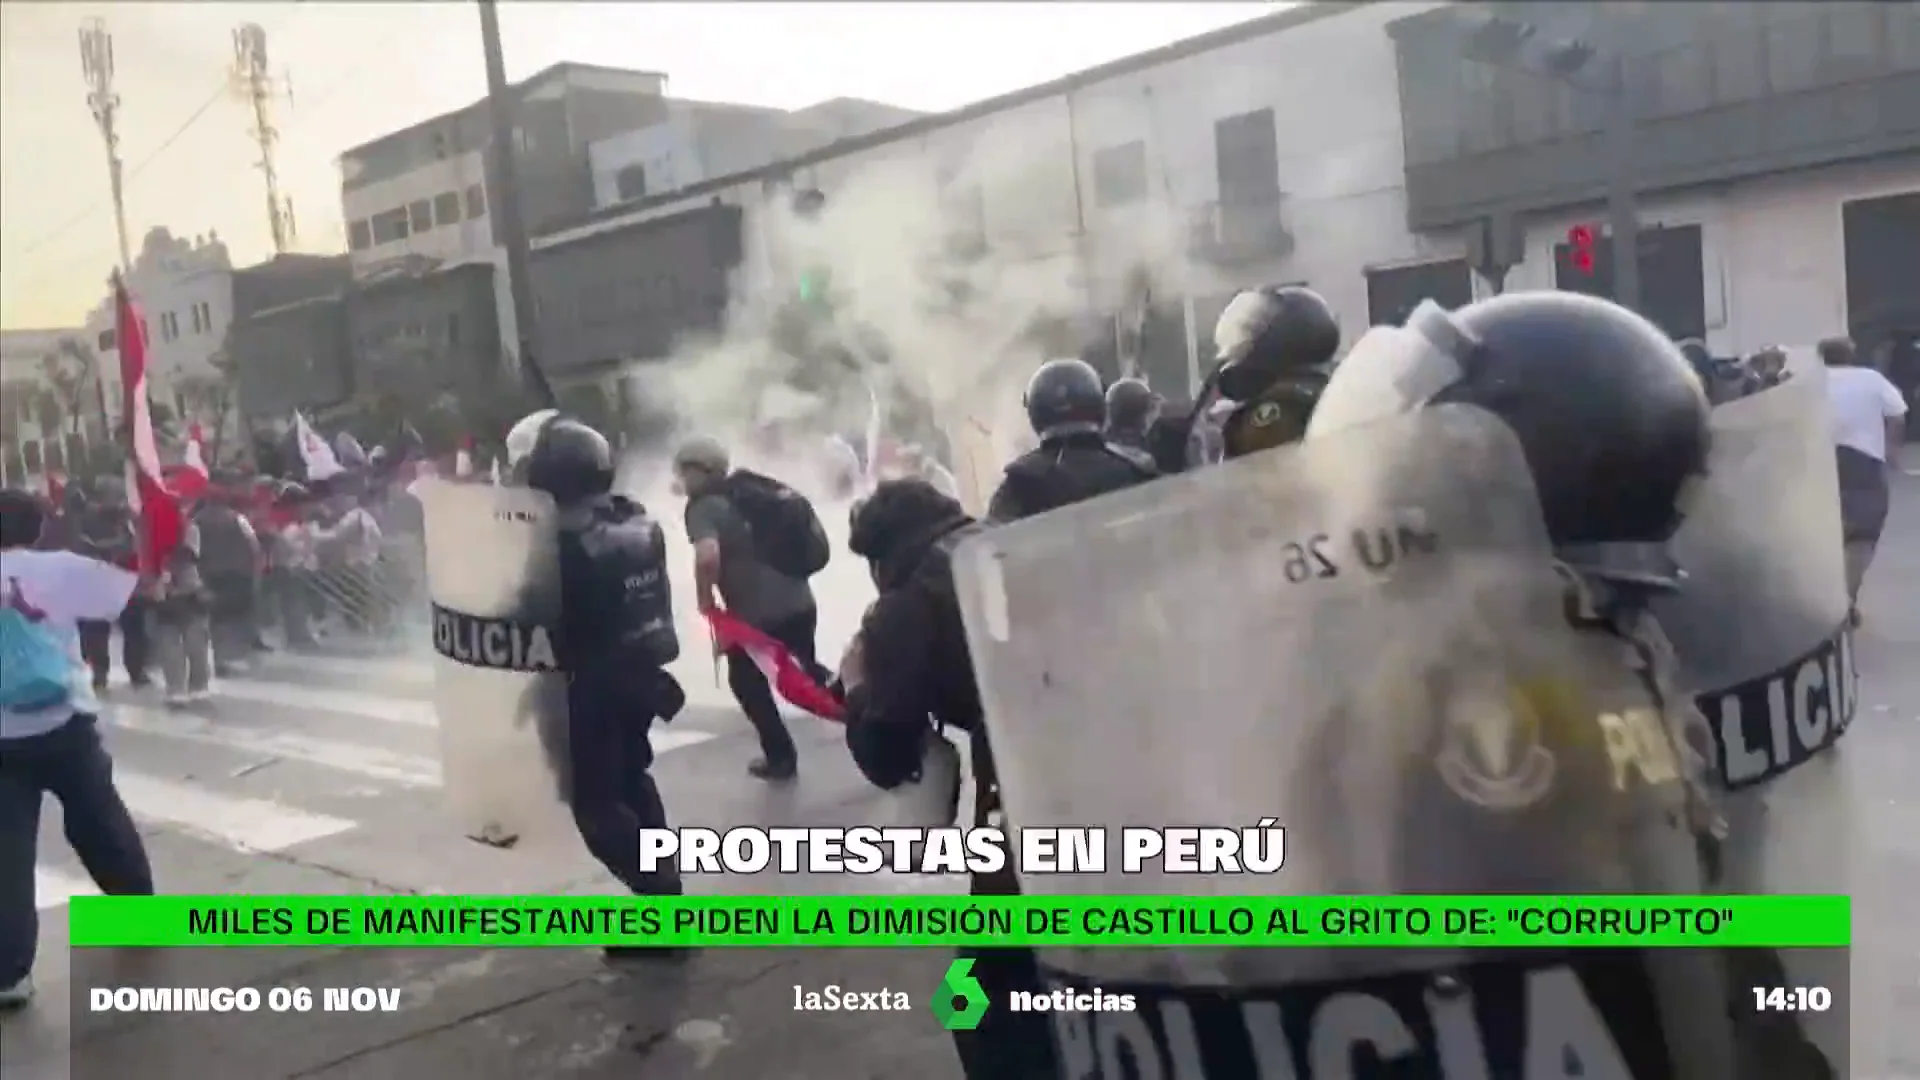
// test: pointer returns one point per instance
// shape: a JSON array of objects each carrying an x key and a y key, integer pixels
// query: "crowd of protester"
[{"x": 266, "y": 563}]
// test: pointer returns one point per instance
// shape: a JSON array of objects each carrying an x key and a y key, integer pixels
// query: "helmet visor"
[{"x": 1393, "y": 370}]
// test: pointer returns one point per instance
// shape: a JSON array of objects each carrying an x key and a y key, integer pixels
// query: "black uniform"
[
  {"x": 1614, "y": 428},
  {"x": 1132, "y": 408},
  {"x": 616, "y": 638},
  {"x": 1275, "y": 347},
  {"x": 918, "y": 666},
  {"x": 1068, "y": 410}
]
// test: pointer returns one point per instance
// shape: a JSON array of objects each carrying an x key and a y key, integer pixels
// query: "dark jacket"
[{"x": 1063, "y": 470}]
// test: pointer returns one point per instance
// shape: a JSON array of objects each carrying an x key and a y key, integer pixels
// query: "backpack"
[
  {"x": 35, "y": 671},
  {"x": 787, "y": 534}
]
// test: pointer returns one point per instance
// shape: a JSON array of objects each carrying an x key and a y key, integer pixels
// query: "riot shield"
[
  {"x": 1363, "y": 638},
  {"x": 493, "y": 576},
  {"x": 1760, "y": 630}
]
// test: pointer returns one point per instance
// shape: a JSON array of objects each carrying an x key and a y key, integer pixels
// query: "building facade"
[
  {"x": 183, "y": 288},
  {"x": 49, "y": 406},
  {"x": 1362, "y": 149},
  {"x": 1775, "y": 150}
]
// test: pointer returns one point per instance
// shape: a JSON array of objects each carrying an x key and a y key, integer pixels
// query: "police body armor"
[
  {"x": 1369, "y": 640},
  {"x": 1069, "y": 468},
  {"x": 621, "y": 558},
  {"x": 1760, "y": 629},
  {"x": 499, "y": 690}
]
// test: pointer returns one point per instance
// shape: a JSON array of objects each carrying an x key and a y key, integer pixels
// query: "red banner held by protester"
[
  {"x": 162, "y": 525},
  {"x": 784, "y": 673}
]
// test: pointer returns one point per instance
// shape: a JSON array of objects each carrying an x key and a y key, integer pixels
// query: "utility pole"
[
  {"x": 503, "y": 199},
  {"x": 254, "y": 85},
  {"x": 96, "y": 64}
]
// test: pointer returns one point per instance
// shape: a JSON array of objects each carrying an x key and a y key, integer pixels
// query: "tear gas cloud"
[{"x": 915, "y": 325}]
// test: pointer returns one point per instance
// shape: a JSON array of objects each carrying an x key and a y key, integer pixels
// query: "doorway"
[{"x": 1882, "y": 241}]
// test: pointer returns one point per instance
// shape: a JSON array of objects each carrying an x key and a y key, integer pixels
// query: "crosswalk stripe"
[
  {"x": 244, "y": 824},
  {"x": 53, "y": 888},
  {"x": 415, "y": 671},
  {"x": 373, "y": 762},
  {"x": 392, "y": 710}
]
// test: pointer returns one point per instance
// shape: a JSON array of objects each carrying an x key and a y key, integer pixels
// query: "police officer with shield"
[
  {"x": 1761, "y": 548},
  {"x": 615, "y": 637},
  {"x": 1067, "y": 408},
  {"x": 1436, "y": 665},
  {"x": 1273, "y": 348}
]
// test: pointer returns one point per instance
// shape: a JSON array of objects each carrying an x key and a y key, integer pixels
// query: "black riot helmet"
[
  {"x": 1131, "y": 405},
  {"x": 1612, "y": 419},
  {"x": 1265, "y": 334},
  {"x": 1065, "y": 397},
  {"x": 565, "y": 458}
]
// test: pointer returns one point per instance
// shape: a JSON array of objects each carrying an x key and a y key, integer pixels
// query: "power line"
[{"x": 65, "y": 226}]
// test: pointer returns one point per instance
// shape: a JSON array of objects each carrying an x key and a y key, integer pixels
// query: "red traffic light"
[
  {"x": 1583, "y": 261},
  {"x": 1580, "y": 236}
]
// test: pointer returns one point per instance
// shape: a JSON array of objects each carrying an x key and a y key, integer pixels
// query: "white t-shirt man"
[
  {"x": 1863, "y": 403},
  {"x": 67, "y": 588}
]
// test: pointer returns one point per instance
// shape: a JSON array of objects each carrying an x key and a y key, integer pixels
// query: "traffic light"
[{"x": 1580, "y": 240}]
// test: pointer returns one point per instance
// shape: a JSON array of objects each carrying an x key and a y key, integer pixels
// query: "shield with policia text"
[
  {"x": 1760, "y": 627},
  {"x": 493, "y": 574},
  {"x": 1363, "y": 639}
]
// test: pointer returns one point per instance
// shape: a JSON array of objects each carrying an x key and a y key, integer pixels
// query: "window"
[
  {"x": 420, "y": 215},
  {"x": 1246, "y": 157},
  {"x": 453, "y": 328},
  {"x": 1120, "y": 174},
  {"x": 1393, "y": 292},
  {"x": 169, "y": 326},
  {"x": 359, "y": 235},
  {"x": 476, "y": 202},
  {"x": 446, "y": 208},
  {"x": 630, "y": 182},
  {"x": 206, "y": 316},
  {"x": 106, "y": 342},
  {"x": 389, "y": 227}
]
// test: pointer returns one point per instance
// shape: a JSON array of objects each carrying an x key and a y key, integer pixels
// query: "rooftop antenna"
[{"x": 254, "y": 85}]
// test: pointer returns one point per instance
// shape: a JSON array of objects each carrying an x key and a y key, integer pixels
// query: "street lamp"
[{"x": 1585, "y": 67}]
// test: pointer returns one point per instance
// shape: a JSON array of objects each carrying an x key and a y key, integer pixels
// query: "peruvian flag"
[
  {"x": 191, "y": 478},
  {"x": 161, "y": 523},
  {"x": 784, "y": 673}
]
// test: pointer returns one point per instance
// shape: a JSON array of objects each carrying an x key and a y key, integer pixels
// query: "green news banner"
[{"x": 936, "y": 922}]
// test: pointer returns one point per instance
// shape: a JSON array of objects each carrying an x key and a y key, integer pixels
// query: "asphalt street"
[{"x": 318, "y": 774}]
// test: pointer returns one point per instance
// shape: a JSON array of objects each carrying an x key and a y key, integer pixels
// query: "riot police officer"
[
  {"x": 1067, "y": 409},
  {"x": 1132, "y": 408},
  {"x": 616, "y": 638},
  {"x": 1559, "y": 490},
  {"x": 1274, "y": 347}
]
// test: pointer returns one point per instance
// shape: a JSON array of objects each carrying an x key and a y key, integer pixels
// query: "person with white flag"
[{"x": 316, "y": 457}]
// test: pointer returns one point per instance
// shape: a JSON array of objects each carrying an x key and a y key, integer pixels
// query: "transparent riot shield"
[
  {"x": 1760, "y": 630},
  {"x": 1364, "y": 639},
  {"x": 493, "y": 576}
]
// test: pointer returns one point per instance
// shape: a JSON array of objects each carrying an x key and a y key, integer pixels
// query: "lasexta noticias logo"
[{"x": 959, "y": 1001}]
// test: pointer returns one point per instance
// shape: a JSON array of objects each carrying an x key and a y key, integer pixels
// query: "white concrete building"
[
  {"x": 42, "y": 393},
  {"x": 184, "y": 290},
  {"x": 1274, "y": 152},
  {"x": 701, "y": 140}
]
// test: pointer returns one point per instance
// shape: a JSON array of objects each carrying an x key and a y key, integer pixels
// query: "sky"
[{"x": 359, "y": 70}]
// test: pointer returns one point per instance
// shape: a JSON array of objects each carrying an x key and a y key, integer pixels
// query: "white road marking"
[
  {"x": 373, "y": 762},
  {"x": 53, "y": 888},
  {"x": 393, "y": 710},
  {"x": 415, "y": 671},
  {"x": 239, "y": 823}
]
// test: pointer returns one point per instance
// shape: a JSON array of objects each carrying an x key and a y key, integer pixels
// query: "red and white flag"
[
  {"x": 463, "y": 458},
  {"x": 784, "y": 673},
  {"x": 161, "y": 523},
  {"x": 190, "y": 479},
  {"x": 316, "y": 457}
]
